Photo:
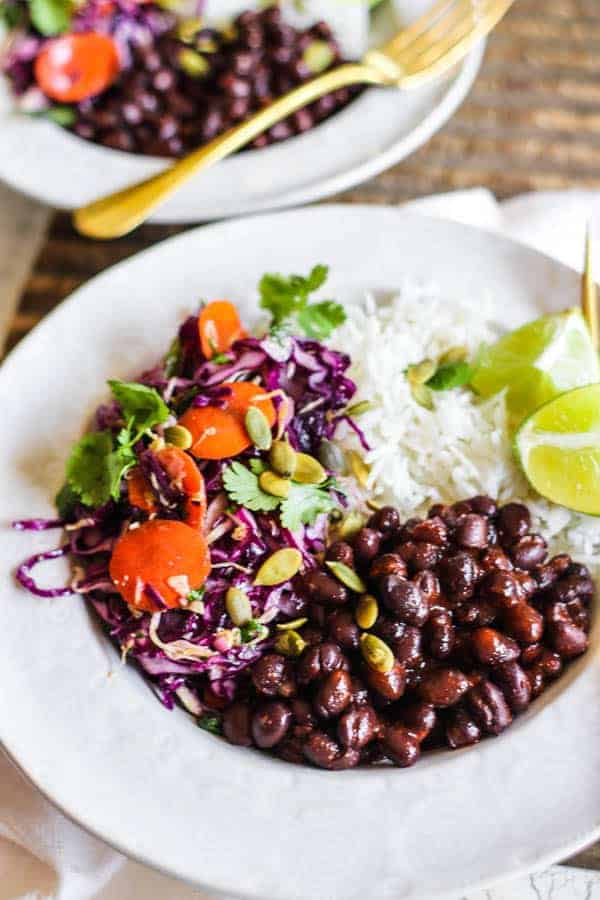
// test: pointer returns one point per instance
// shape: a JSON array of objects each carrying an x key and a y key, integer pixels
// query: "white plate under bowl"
[
  {"x": 91, "y": 735},
  {"x": 376, "y": 131}
]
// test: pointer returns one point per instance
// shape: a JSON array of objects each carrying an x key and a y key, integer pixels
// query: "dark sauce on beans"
[
  {"x": 476, "y": 636},
  {"x": 157, "y": 108}
]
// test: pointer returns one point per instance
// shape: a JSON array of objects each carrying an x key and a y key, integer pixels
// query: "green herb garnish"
[
  {"x": 452, "y": 375},
  {"x": 242, "y": 486},
  {"x": 210, "y": 723},
  {"x": 303, "y": 504},
  {"x": 61, "y": 115},
  {"x": 287, "y": 299}
]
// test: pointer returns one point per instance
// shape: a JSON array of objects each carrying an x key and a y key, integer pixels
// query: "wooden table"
[{"x": 531, "y": 122}]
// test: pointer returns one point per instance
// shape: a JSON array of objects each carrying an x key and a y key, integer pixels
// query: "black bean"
[
  {"x": 401, "y": 745},
  {"x": 319, "y": 660},
  {"x": 404, "y": 600},
  {"x": 334, "y": 694},
  {"x": 272, "y": 675},
  {"x": 390, "y": 685},
  {"x": 236, "y": 724},
  {"x": 514, "y": 520},
  {"x": 491, "y": 648},
  {"x": 366, "y": 545},
  {"x": 440, "y": 634},
  {"x": 343, "y": 629},
  {"x": 319, "y": 587},
  {"x": 483, "y": 505},
  {"x": 420, "y": 719},
  {"x": 529, "y": 551},
  {"x": 163, "y": 80},
  {"x": 461, "y": 729},
  {"x": 341, "y": 551},
  {"x": 567, "y": 639},
  {"x": 270, "y": 723},
  {"x": 386, "y": 520},
  {"x": 357, "y": 727},
  {"x": 472, "y": 532},
  {"x": 323, "y": 751},
  {"x": 459, "y": 575},
  {"x": 387, "y": 564},
  {"x": 524, "y": 623},
  {"x": 489, "y": 708},
  {"x": 443, "y": 687},
  {"x": 515, "y": 685}
]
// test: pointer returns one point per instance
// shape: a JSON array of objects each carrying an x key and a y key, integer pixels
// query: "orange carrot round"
[
  {"x": 185, "y": 475},
  {"x": 163, "y": 553},
  {"x": 220, "y": 432},
  {"x": 219, "y": 327},
  {"x": 77, "y": 66}
]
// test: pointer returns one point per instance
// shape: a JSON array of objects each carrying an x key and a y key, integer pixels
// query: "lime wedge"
[
  {"x": 538, "y": 362},
  {"x": 558, "y": 447}
]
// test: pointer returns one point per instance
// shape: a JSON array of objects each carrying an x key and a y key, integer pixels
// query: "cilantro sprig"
[
  {"x": 301, "y": 507},
  {"x": 287, "y": 299},
  {"x": 100, "y": 459}
]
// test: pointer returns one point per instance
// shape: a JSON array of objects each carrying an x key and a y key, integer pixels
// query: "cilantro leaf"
[
  {"x": 51, "y": 17},
  {"x": 62, "y": 115},
  {"x": 287, "y": 299},
  {"x": 142, "y": 406},
  {"x": 87, "y": 470},
  {"x": 452, "y": 375},
  {"x": 257, "y": 466},
  {"x": 303, "y": 504},
  {"x": 242, "y": 486},
  {"x": 318, "y": 320},
  {"x": 65, "y": 500},
  {"x": 210, "y": 723}
]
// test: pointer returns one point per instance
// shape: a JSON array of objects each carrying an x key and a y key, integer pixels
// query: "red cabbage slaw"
[{"x": 182, "y": 652}]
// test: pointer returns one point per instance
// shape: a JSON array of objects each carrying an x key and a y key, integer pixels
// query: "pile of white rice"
[{"x": 460, "y": 448}]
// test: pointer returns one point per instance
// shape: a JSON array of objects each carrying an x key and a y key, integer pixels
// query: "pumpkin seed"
[
  {"x": 192, "y": 63},
  {"x": 374, "y": 505},
  {"x": 454, "y": 354},
  {"x": 308, "y": 470},
  {"x": 296, "y": 623},
  {"x": 422, "y": 395},
  {"x": 188, "y": 29},
  {"x": 290, "y": 643},
  {"x": 258, "y": 428},
  {"x": 376, "y": 653},
  {"x": 283, "y": 459},
  {"x": 351, "y": 523},
  {"x": 359, "y": 468},
  {"x": 273, "y": 484},
  {"x": 367, "y": 611},
  {"x": 157, "y": 444},
  {"x": 357, "y": 409},
  {"x": 318, "y": 56},
  {"x": 178, "y": 436},
  {"x": 279, "y": 567},
  {"x": 332, "y": 457},
  {"x": 238, "y": 606},
  {"x": 347, "y": 576},
  {"x": 421, "y": 372}
]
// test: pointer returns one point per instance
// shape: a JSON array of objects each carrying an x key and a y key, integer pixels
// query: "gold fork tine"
[
  {"x": 589, "y": 293},
  {"x": 413, "y": 31},
  {"x": 432, "y": 28},
  {"x": 441, "y": 57}
]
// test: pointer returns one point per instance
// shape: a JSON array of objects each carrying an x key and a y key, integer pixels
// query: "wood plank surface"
[{"x": 531, "y": 122}]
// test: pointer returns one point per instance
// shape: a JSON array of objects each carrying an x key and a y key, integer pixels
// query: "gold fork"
[
  {"x": 420, "y": 53},
  {"x": 589, "y": 293}
]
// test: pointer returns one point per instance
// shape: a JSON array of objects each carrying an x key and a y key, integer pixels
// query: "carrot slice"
[
  {"x": 160, "y": 553},
  {"x": 219, "y": 327},
  {"x": 77, "y": 66},
  {"x": 219, "y": 433},
  {"x": 184, "y": 473}
]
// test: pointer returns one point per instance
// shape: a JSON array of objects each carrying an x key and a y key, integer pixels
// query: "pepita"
[
  {"x": 374, "y": 504},
  {"x": 188, "y": 29},
  {"x": 178, "y": 436},
  {"x": 193, "y": 63},
  {"x": 318, "y": 56},
  {"x": 419, "y": 373},
  {"x": 351, "y": 524},
  {"x": 290, "y": 643},
  {"x": 279, "y": 567},
  {"x": 454, "y": 354},
  {"x": 273, "y": 484},
  {"x": 157, "y": 444},
  {"x": 421, "y": 394},
  {"x": 258, "y": 428},
  {"x": 296, "y": 623},
  {"x": 359, "y": 468},
  {"x": 376, "y": 653},
  {"x": 238, "y": 606},
  {"x": 346, "y": 575},
  {"x": 367, "y": 611},
  {"x": 358, "y": 409},
  {"x": 283, "y": 459},
  {"x": 331, "y": 456},
  {"x": 308, "y": 470}
]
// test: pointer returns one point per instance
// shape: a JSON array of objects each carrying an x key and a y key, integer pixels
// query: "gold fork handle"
[{"x": 120, "y": 213}]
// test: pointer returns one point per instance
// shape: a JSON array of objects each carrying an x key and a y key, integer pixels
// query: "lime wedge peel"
[
  {"x": 537, "y": 362},
  {"x": 558, "y": 447}
]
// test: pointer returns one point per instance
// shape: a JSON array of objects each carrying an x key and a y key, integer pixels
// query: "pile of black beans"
[
  {"x": 157, "y": 108},
  {"x": 477, "y": 617}
]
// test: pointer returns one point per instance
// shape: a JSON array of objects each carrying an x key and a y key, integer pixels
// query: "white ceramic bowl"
[
  {"x": 91, "y": 735},
  {"x": 376, "y": 131}
]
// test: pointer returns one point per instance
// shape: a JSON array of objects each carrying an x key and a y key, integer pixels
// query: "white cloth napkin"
[{"x": 44, "y": 856}]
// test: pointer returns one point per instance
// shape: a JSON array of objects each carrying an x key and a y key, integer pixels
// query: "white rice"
[{"x": 460, "y": 448}]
